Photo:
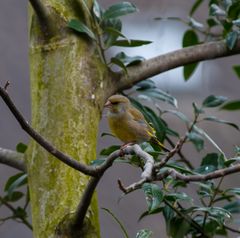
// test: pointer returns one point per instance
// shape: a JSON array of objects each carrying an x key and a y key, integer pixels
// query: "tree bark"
[{"x": 67, "y": 90}]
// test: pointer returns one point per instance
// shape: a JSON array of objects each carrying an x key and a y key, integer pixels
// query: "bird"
[{"x": 128, "y": 124}]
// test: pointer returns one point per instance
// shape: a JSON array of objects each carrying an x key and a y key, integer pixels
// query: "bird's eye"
[{"x": 114, "y": 103}]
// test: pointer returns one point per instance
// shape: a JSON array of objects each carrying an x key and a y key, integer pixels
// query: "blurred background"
[{"x": 212, "y": 77}]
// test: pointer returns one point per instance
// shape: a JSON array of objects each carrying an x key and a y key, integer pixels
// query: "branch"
[
  {"x": 181, "y": 155},
  {"x": 165, "y": 62},
  {"x": 84, "y": 203},
  {"x": 193, "y": 178},
  {"x": 12, "y": 159},
  {"x": 44, "y": 17},
  {"x": 186, "y": 178},
  {"x": 88, "y": 170}
]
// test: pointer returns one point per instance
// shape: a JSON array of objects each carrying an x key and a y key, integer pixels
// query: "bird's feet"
[{"x": 124, "y": 146}]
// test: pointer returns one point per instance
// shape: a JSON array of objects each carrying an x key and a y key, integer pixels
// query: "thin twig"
[
  {"x": 232, "y": 229},
  {"x": 211, "y": 202},
  {"x": 181, "y": 155},
  {"x": 186, "y": 178},
  {"x": 170, "y": 154},
  {"x": 14, "y": 211},
  {"x": 12, "y": 159}
]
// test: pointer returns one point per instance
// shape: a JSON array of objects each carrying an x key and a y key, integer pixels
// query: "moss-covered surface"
[{"x": 67, "y": 82}]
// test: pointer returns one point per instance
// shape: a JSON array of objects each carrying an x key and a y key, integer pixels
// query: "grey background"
[{"x": 212, "y": 77}]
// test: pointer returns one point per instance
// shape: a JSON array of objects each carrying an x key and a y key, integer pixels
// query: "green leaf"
[
  {"x": 211, "y": 22},
  {"x": 110, "y": 36},
  {"x": 214, "y": 211},
  {"x": 179, "y": 168},
  {"x": 109, "y": 150},
  {"x": 113, "y": 33},
  {"x": 117, "y": 221},
  {"x": 128, "y": 60},
  {"x": 145, "y": 84},
  {"x": 234, "y": 190},
  {"x": 81, "y": 28},
  {"x": 21, "y": 148},
  {"x": 144, "y": 233},
  {"x": 15, "y": 196},
  {"x": 196, "y": 139},
  {"x": 236, "y": 69},
  {"x": 180, "y": 115},
  {"x": 213, "y": 101},
  {"x": 179, "y": 227},
  {"x": 231, "y": 39},
  {"x": 22, "y": 180},
  {"x": 154, "y": 196},
  {"x": 215, "y": 119},
  {"x": 119, "y": 9},
  {"x": 228, "y": 162},
  {"x": 190, "y": 38},
  {"x": 11, "y": 180},
  {"x": 234, "y": 11},
  {"x": 210, "y": 159},
  {"x": 195, "y": 6},
  {"x": 188, "y": 70},
  {"x": 178, "y": 197},
  {"x": 236, "y": 22},
  {"x": 231, "y": 106},
  {"x": 20, "y": 212},
  {"x": 119, "y": 63},
  {"x": 233, "y": 207},
  {"x": 131, "y": 43},
  {"x": 203, "y": 133},
  {"x": 195, "y": 24},
  {"x": 215, "y": 10},
  {"x": 116, "y": 33},
  {"x": 97, "y": 11},
  {"x": 168, "y": 215},
  {"x": 160, "y": 95}
]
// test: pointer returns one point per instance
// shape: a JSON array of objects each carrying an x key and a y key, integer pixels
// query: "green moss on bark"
[{"x": 67, "y": 82}]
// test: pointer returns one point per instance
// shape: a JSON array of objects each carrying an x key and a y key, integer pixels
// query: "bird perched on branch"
[{"x": 127, "y": 123}]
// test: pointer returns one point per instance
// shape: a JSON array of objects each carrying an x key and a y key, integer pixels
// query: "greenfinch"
[{"x": 127, "y": 123}]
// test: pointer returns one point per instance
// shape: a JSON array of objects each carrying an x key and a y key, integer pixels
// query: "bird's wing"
[{"x": 138, "y": 117}]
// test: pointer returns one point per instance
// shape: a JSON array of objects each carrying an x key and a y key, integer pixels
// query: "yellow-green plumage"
[{"x": 127, "y": 123}]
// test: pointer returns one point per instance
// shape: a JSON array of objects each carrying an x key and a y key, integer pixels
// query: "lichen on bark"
[{"x": 67, "y": 91}]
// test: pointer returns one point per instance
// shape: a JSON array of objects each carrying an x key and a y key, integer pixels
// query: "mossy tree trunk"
[{"x": 67, "y": 89}]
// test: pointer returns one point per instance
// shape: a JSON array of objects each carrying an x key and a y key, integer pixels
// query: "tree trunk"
[{"x": 67, "y": 96}]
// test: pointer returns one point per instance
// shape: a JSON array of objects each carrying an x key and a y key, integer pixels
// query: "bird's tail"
[{"x": 155, "y": 140}]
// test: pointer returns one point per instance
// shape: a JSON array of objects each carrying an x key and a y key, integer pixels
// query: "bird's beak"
[{"x": 108, "y": 104}]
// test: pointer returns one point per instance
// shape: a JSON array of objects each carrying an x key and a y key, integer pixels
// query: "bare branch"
[
  {"x": 181, "y": 155},
  {"x": 44, "y": 17},
  {"x": 12, "y": 159},
  {"x": 175, "y": 150},
  {"x": 191, "y": 178},
  {"x": 88, "y": 170},
  {"x": 165, "y": 62},
  {"x": 85, "y": 202}
]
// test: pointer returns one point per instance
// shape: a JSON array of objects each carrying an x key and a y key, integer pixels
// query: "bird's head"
[{"x": 117, "y": 104}]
